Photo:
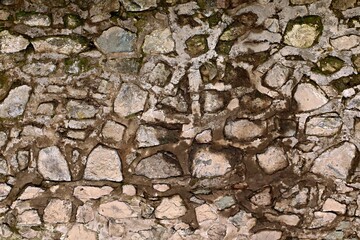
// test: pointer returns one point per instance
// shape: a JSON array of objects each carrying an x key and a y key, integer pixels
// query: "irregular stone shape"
[
  {"x": 290, "y": 219},
  {"x": 72, "y": 21},
  {"x": 301, "y": 2},
  {"x": 204, "y": 137},
  {"x": 328, "y": 65},
  {"x": 60, "y": 44},
  {"x": 85, "y": 213},
  {"x": 15, "y": 102},
  {"x": 130, "y": 100},
  {"x": 39, "y": 69},
  {"x": 58, "y": 211},
  {"x": 336, "y": 162},
  {"x": 159, "y": 41},
  {"x": 10, "y": 43},
  {"x": 147, "y": 136},
  {"x": 170, "y": 208},
  {"x": 205, "y": 213},
  {"x": 197, "y": 45},
  {"x": 272, "y": 160},
  {"x": 28, "y": 218},
  {"x": 331, "y": 205},
  {"x": 217, "y": 232},
  {"x": 244, "y": 129},
  {"x": 224, "y": 202},
  {"x": 322, "y": 219},
  {"x": 116, "y": 39},
  {"x": 85, "y": 193},
  {"x": 79, "y": 231},
  {"x": 160, "y": 165},
  {"x": 30, "y": 193},
  {"x": 113, "y": 130},
  {"x": 52, "y": 165},
  {"x": 277, "y": 76},
  {"x": 303, "y": 32},
  {"x": 129, "y": 190},
  {"x": 138, "y": 5},
  {"x": 345, "y": 42},
  {"x": 159, "y": 75},
  {"x": 80, "y": 110},
  {"x": 267, "y": 234},
  {"x": 33, "y": 19},
  {"x": 161, "y": 187},
  {"x": 243, "y": 221},
  {"x": 207, "y": 163},
  {"x": 262, "y": 198},
  {"x": 4, "y": 190},
  {"x": 343, "y": 4},
  {"x": 309, "y": 97},
  {"x": 356, "y": 61},
  {"x": 103, "y": 164},
  {"x": 101, "y": 11},
  {"x": 213, "y": 101},
  {"x": 116, "y": 210},
  {"x": 323, "y": 126}
]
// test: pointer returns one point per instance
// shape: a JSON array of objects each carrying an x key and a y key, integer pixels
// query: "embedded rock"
[
  {"x": 15, "y": 102},
  {"x": 116, "y": 210},
  {"x": 130, "y": 100},
  {"x": 159, "y": 42},
  {"x": 60, "y": 44},
  {"x": 10, "y": 43},
  {"x": 244, "y": 129},
  {"x": 115, "y": 40},
  {"x": 272, "y": 160},
  {"x": 309, "y": 97},
  {"x": 52, "y": 164},
  {"x": 170, "y": 208},
  {"x": 58, "y": 211}
]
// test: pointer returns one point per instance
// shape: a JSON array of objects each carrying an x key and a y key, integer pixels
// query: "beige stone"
[
  {"x": 244, "y": 129},
  {"x": 129, "y": 190},
  {"x": 85, "y": 213},
  {"x": 29, "y": 218},
  {"x": 85, "y": 193},
  {"x": 322, "y": 219},
  {"x": 170, "y": 208},
  {"x": 58, "y": 211},
  {"x": 52, "y": 164},
  {"x": 287, "y": 219},
  {"x": 79, "y": 231},
  {"x": 30, "y": 193},
  {"x": 301, "y": 36},
  {"x": 116, "y": 210},
  {"x": 10, "y": 43},
  {"x": 262, "y": 198},
  {"x": 113, "y": 130},
  {"x": 272, "y": 160},
  {"x": 205, "y": 213},
  {"x": 332, "y": 205},
  {"x": 159, "y": 42},
  {"x": 309, "y": 97},
  {"x": 161, "y": 187},
  {"x": 267, "y": 235},
  {"x": 345, "y": 42}
]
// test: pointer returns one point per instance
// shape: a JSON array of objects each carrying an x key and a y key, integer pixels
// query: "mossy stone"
[
  {"x": 346, "y": 82},
  {"x": 197, "y": 45},
  {"x": 328, "y": 65},
  {"x": 72, "y": 21}
]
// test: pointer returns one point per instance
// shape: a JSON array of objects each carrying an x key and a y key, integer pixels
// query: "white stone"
[
  {"x": 30, "y": 193},
  {"x": 15, "y": 102},
  {"x": 345, "y": 42},
  {"x": 205, "y": 213},
  {"x": 85, "y": 213},
  {"x": 170, "y": 208},
  {"x": 39, "y": 68},
  {"x": 59, "y": 44},
  {"x": 335, "y": 162},
  {"x": 309, "y": 97},
  {"x": 244, "y": 129},
  {"x": 147, "y": 136},
  {"x": 323, "y": 126},
  {"x": 10, "y": 43},
  {"x": 138, "y": 5},
  {"x": 161, "y": 187},
  {"x": 58, "y": 211},
  {"x": 209, "y": 164},
  {"x": 332, "y": 205},
  {"x": 213, "y": 101},
  {"x": 37, "y": 20},
  {"x": 159, "y": 42},
  {"x": 79, "y": 231},
  {"x": 28, "y": 218},
  {"x": 52, "y": 164},
  {"x": 322, "y": 219},
  {"x": 301, "y": 36},
  {"x": 204, "y": 137},
  {"x": 85, "y": 193},
  {"x": 113, "y": 130},
  {"x": 130, "y": 100},
  {"x": 4, "y": 190},
  {"x": 272, "y": 160},
  {"x": 116, "y": 210}
]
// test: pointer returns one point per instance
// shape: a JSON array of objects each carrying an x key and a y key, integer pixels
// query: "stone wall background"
[{"x": 178, "y": 119}]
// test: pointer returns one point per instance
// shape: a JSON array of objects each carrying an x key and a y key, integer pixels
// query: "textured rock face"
[
  {"x": 170, "y": 208},
  {"x": 116, "y": 39},
  {"x": 14, "y": 104},
  {"x": 159, "y": 41},
  {"x": 59, "y": 44},
  {"x": 244, "y": 129},
  {"x": 52, "y": 164},
  {"x": 103, "y": 164},
  {"x": 308, "y": 97},
  {"x": 130, "y": 100},
  {"x": 10, "y": 43},
  {"x": 272, "y": 160}
]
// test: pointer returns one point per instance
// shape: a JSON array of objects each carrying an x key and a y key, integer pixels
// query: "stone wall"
[{"x": 179, "y": 119}]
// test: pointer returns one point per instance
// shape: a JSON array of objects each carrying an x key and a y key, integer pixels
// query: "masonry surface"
[{"x": 179, "y": 119}]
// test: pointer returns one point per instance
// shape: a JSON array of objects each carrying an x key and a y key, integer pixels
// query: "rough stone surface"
[
  {"x": 308, "y": 97},
  {"x": 116, "y": 210},
  {"x": 115, "y": 40},
  {"x": 159, "y": 41},
  {"x": 14, "y": 104},
  {"x": 244, "y": 129},
  {"x": 10, "y": 43},
  {"x": 170, "y": 208},
  {"x": 58, "y": 211},
  {"x": 130, "y": 100},
  {"x": 52, "y": 164},
  {"x": 272, "y": 160}
]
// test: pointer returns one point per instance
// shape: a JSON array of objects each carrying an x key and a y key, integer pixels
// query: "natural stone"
[
  {"x": 116, "y": 210},
  {"x": 15, "y": 102},
  {"x": 39, "y": 69},
  {"x": 159, "y": 75},
  {"x": 60, "y": 44},
  {"x": 267, "y": 234},
  {"x": 130, "y": 100},
  {"x": 322, "y": 219},
  {"x": 72, "y": 21},
  {"x": 323, "y": 126},
  {"x": 138, "y": 5},
  {"x": 80, "y": 110},
  {"x": 85, "y": 193},
  {"x": 217, "y": 232},
  {"x": 30, "y": 193},
  {"x": 28, "y": 218},
  {"x": 159, "y": 41},
  {"x": 79, "y": 231},
  {"x": 331, "y": 205},
  {"x": 197, "y": 45},
  {"x": 33, "y": 19},
  {"x": 335, "y": 162},
  {"x": 85, "y": 213},
  {"x": 289, "y": 219},
  {"x": 52, "y": 164},
  {"x": 329, "y": 65},
  {"x": 147, "y": 136},
  {"x": 342, "y": 4},
  {"x": 301, "y": 2},
  {"x": 170, "y": 208},
  {"x": 224, "y": 202},
  {"x": 4, "y": 190},
  {"x": 206, "y": 163},
  {"x": 116, "y": 39},
  {"x": 10, "y": 43},
  {"x": 58, "y": 211},
  {"x": 272, "y": 160},
  {"x": 129, "y": 190},
  {"x": 262, "y": 198},
  {"x": 345, "y": 42},
  {"x": 277, "y": 76},
  {"x": 103, "y": 164},
  {"x": 213, "y": 101},
  {"x": 309, "y": 97},
  {"x": 244, "y": 129},
  {"x": 204, "y": 137},
  {"x": 160, "y": 165},
  {"x": 113, "y": 131},
  {"x": 205, "y": 213},
  {"x": 303, "y": 32}
]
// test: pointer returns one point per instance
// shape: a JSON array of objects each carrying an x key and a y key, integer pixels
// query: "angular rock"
[
  {"x": 160, "y": 165},
  {"x": 331, "y": 205},
  {"x": 28, "y": 218},
  {"x": 204, "y": 137},
  {"x": 60, "y": 44},
  {"x": 52, "y": 165},
  {"x": 272, "y": 160},
  {"x": 147, "y": 136},
  {"x": 113, "y": 130},
  {"x": 79, "y": 231},
  {"x": 213, "y": 101},
  {"x": 58, "y": 211},
  {"x": 345, "y": 42},
  {"x": 170, "y": 208},
  {"x": 72, "y": 21},
  {"x": 244, "y": 129},
  {"x": 343, "y": 4},
  {"x": 159, "y": 42},
  {"x": 197, "y": 45},
  {"x": 39, "y": 69},
  {"x": 80, "y": 110},
  {"x": 301, "y": 2},
  {"x": 328, "y": 65},
  {"x": 129, "y": 190},
  {"x": 138, "y": 5},
  {"x": 267, "y": 234},
  {"x": 116, "y": 210},
  {"x": 207, "y": 163},
  {"x": 309, "y": 97},
  {"x": 205, "y": 213},
  {"x": 85, "y": 193},
  {"x": 262, "y": 198},
  {"x": 33, "y": 19},
  {"x": 30, "y": 193},
  {"x": 303, "y": 32},
  {"x": 15, "y": 102},
  {"x": 217, "y": 232},
  {"x": 85, "y": 213},
  {"x": 10, "y": 43},
  {"x": 130, "y": 100},
  {"x": 243, "y": 220},
  {"x": 115, "y": 40},
  {"x": 224, "y": 202},
  {"x": 290, "y": 219},
  {"x": 4, "y": 190},
  {"x": 336, "y": 162},
  {"x": 322, "y": 219},
  {"x": 159, "y": 75},
  {"x": 277, "y": 76},
  {"x": 103, "y": 164},
  {"x": 323, "y": 126}
]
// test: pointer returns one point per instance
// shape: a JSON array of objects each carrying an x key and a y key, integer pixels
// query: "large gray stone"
[
  {"x": 15, "y": 103},
  {"x": 116, "y": 39},
  {"x": 52, "y": 164},
  {"x": 130, "y": 100},
  {"x": 159, "y": 41},
  {"x": 10, "y": 43},
  {"x": 60, "y": 44}
]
